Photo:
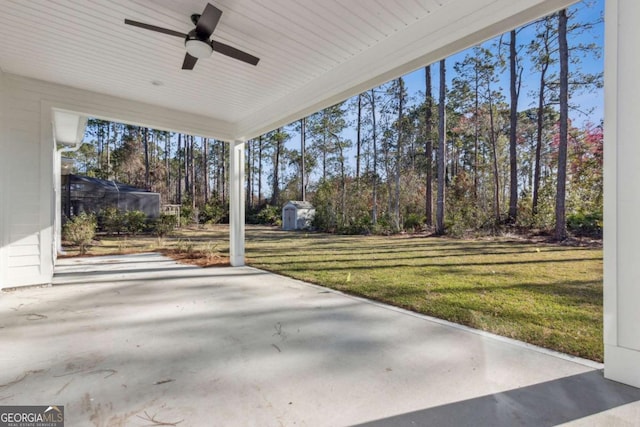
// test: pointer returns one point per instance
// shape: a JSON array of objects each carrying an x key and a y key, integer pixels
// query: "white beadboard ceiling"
[{"x": 313, "y": 52}]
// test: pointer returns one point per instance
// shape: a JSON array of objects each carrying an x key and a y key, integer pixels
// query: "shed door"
[{"x": 289, "y": 219}]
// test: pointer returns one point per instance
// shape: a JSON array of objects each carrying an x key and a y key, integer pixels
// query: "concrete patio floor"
[{"x": 140, "y": 340}]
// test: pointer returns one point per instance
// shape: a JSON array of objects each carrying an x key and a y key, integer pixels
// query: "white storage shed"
[{"x": 297, "y": 215}]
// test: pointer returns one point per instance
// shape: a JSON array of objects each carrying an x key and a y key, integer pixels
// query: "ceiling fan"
[{"x": 197, "y": 40}]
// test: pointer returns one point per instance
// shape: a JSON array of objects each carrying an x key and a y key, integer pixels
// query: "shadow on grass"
[
  {"x": 584, "y": 291},
  {"x": 292, "y": 266},
  {"x": 430, "y": 301},
  {"x": 357, "y": 255}
]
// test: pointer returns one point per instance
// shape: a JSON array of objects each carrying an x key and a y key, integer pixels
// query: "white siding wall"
[
  {"x": 26, "y": 205},
  {"x": 27, "y": 164}
]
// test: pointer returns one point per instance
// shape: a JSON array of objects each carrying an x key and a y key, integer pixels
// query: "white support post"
[
  {"x": 622, "y": 193},
  {"x": 4, "y": 181},
  {"x": 236, "y": 204},
  {"x": 57, "y": 191}
]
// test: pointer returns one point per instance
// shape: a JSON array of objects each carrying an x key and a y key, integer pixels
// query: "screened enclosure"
[{"x": 92, "y": 195}]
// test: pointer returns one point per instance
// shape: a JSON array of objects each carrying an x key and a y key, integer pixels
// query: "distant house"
[
  {"x": 297, "y": 215},
  {"x": 92, "y": 195}
]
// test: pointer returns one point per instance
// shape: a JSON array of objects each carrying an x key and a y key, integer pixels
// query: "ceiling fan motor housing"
[{"x": 197, "y": 47}]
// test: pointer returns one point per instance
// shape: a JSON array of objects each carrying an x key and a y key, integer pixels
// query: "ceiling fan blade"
[
  {"x": 208, "y": 21},
  {"x": 154, "y": 28},
  {"x": 189, "y": 62},
  {"x": 234, "y": 53}
]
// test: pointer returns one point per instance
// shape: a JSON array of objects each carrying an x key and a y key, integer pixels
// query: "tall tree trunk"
[
  {"x": 303, "y": 153},
  {"x": 260, "y": 170},
  {"x": 374, "y": 208},
  {"x": 386, "y": 162},
  {"x": 275, "y": 185},
  {"x": 454, "y": 159},
  {"x": 205, "y": 168},
  {"x": 223, "y": 171},
  {"x": 249, "y": 159},
  {"x": 358, "y": 138},
  {"x": 187, "y": 185},
  {"x": 145, "y": 136},
  {"x": 324, "y": 155},
  {"x": 180, "y": 155},
  {"x": 540, "y": 123},
  {"x": 193, "y": 175},
  {"x": 109, "y": 150},
  {"x": 561, "y": 229},
  {"x": 539, "y": 130},
  {"x": 252, "y": 181},
  {"x": 100, "y": 145},
  {"x": 343, "y": 182},
  {"x": 442, "y": 125},
  {"x": 513, "y": 130},
  {"x": 494, "y": 151},
  {"x": 476, "y": 128},
  {"x": 428, "y": 147},
  {"x": 399, "y": 148},
  {"x": 166, "y": 165}
]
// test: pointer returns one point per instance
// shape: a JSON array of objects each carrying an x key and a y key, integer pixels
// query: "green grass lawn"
[{"x": 543, "y": 294}]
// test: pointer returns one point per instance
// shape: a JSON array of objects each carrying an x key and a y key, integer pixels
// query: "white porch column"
[
  {"x": 4, "y": 158},
  {"x": 236, "y": 203},
  {"x": 622, "y": 193},
  {"x": 57, "y": 191}
]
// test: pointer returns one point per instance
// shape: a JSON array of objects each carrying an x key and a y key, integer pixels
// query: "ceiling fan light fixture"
[{"x": 198, "y": 48}]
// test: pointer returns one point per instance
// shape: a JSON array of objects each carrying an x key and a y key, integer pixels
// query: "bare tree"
[
  {"x": 542, "y": 46},
  {"x": 358, "y": 137},
  {"x": 145, "y": 136},
  {"x": 205, "y": 168},
  {"x": 260, "y": 151},
  {"x": 401, "y": 95},
  {"x": 303, "y": 154},
  {"x": 428, "y": 145},
  {"x": 515, "y": 80},
  {"x": 561, "y": 228},
  {"x": 179, "y": 182},
  {"x": 374, "y": 140},
  {"x": 442, "y": 121}
]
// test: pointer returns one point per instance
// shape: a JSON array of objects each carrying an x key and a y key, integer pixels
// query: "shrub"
[
  {"x": 269, "y": 215},
  {"x": 211, "y": 251},
  {"x": 164, "y": 225},
  {"x": 462, "y": 213},
  {"x": 413, "y": 222},
  {"x": 185, "y": 246},
  {"x": 382, "y": 227},
  {"x": 326, "y": 216},
  {"x": 213, "y": 212},
  {"x": 80, "y": 231},
  {"x": 359, "y": 224},
  {"x": 585, "y": 224},
  {"x": 135, "y": 221},
  {"x": 111, "y": 220},
  {"x": 186, "y": 213}
]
